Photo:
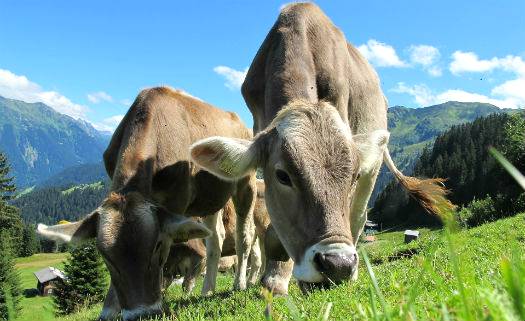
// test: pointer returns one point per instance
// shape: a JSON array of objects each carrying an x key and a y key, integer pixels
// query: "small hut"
[
  {"x": 411, "y": 235},
  {"x": 47, "y": 279},
  {"x": 371, "y": 228}
]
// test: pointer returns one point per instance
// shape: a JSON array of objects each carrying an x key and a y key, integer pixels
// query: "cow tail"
[{"x": 430, "y": 193}]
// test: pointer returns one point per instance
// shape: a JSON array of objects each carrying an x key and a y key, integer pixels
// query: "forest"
[{"x": 460, "y": 155}]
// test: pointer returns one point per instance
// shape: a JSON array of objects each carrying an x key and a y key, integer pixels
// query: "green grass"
[
  {"x": 36, "y": 308},
  {"x": 476, "y": 274}
]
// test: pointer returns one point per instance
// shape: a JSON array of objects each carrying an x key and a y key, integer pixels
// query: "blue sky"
[{"x": 89, "y": 59}]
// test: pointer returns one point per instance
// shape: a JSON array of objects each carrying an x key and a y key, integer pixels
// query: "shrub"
[
  {"x": 481, "y": 211},
  {"x": 85, "y": 282}
]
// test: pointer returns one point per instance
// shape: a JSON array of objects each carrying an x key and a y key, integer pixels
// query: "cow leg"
[
  {"x": 194, "y": 271},
  {"x": 244, "y": 200},
  {"x": 278, "y": 265},
  {"x": 255, "y": 263},
  {"x": 364, "y": 189},
  {"x": 188, "y": 284},
  {"x": 213, "y": 251},
  {"x": 111, "y": 308}
]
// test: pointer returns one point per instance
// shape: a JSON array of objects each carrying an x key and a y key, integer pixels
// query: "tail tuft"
[{"x": 430, "y": 193}]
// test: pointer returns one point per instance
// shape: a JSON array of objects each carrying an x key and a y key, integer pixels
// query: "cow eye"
[{"x": 283, "y": 177}]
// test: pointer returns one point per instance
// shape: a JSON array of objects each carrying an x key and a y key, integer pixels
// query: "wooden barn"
[{"x": 47, "y": 279}]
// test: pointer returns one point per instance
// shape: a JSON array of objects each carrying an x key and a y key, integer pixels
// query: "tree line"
[{"x": 461, "y": 156}]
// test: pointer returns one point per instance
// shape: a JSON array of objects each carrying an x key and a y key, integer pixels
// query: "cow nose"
[{"x": 336, "y": 267}]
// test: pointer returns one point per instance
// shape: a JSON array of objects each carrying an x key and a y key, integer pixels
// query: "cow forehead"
[
  {"x": 112, "y": 219},
  {"x": 317, "y": 142}
]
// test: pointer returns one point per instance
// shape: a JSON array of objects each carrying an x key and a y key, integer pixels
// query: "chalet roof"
[
  {"x": 369, "y": 223},
  {"x": 412, "y": 233},
  {"x": 49, "y": 273}
]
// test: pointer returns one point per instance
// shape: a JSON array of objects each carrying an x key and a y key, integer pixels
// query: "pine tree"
[
  {"x": 30, "y": 244},
  {"x": 7, "y": 188},
  {"x": 85, "y": 282},
  {"x": 10, "y": 221},
  {"x": 10, "y": 289}
]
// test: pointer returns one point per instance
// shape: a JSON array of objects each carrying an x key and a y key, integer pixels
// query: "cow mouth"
[{"x": 309, "y": 287}]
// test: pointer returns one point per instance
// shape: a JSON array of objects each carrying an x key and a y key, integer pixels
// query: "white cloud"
[
  {"x": 434, "y": 71},
  {"x": 463, "y": 62},
  {"x": 380, "y": 54},
  {"x": 513, "y": 90},
  {"x": 427, "y": 57},
  {"x": 99, "y": 96},
  {"x": 423, "y": 96},
  {"x": 423, "y": 55},
  {"x": 234, "y": 78},
  {"x": 109, "y": 124},
  {"x": 19, "y": 87},
  {"x": 421, "y": 93}
]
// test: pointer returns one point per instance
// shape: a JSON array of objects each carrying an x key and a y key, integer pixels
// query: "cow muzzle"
[{"x": 327, "y": 263}]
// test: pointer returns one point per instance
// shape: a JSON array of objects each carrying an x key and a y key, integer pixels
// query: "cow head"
[
  {"x": 134, "y": 238},
  {"x": 311, "y": 164}
]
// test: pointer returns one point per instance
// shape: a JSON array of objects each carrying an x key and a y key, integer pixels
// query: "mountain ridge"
[{"x": 40, "y": 142}]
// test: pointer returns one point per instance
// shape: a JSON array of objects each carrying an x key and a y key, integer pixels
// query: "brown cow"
[
  {"x": 321, "y": 121},
  {"x": 153, "y": 178}
]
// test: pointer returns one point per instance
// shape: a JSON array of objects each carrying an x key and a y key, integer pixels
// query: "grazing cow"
[
  {"x": 153, "y": 179},
  {"x": 320, "y": 119},
  {"x": 187, "y": 259}
]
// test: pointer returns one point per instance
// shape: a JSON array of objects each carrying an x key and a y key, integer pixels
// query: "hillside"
[
  {"x": 461, "y": 156},
  {"x": 49, "y": 205},
  {"x": 41, "y": 142},
  {"x": 77, "y": 175},
  {"x": 468, "y": 275},
  {"x": 411, "y": 129}
]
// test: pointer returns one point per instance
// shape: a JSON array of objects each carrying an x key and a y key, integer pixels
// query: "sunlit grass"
[{"x": 463, "y": 275}]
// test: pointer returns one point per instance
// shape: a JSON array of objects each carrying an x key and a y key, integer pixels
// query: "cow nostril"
[
  {"x": 319, "y": 261},
  {"x": 336, "y": 266}
]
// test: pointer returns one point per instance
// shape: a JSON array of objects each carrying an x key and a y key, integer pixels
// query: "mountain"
[
  {"x": 41, "y": 142},
  {"x": 77, "y": 175},
  {"x": 50, "y": 205},
  {"x": 411, "y": 129}
]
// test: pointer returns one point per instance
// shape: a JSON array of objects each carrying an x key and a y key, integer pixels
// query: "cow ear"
[
  {"x": 371, "y": 148},
  {"x": 227, "y": 158},
  {"x": 181, "y": 229},
  {"x": 71, "y": 232}
]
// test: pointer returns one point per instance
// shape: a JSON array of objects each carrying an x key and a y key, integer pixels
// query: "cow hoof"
[
  {"x": 108, "y": 314},
  {"x": 275, "y": 286},
  {"x": 207, "y": 293},
  {"x": 239, "y": 287}
]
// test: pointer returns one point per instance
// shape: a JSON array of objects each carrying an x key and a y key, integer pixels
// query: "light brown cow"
[
  {"x": 152, "y": 180},
  {"x": 321, "y": 121}
]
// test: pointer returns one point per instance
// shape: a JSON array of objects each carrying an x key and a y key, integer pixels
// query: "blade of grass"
[
  {"x": 444, "y": 312},
  {"x": 454, "y": 261},
  {"x": 326, "y": 314},
  {"x": 513, "y": 171},
  {"x": 514, "y": 276},
  {"x": 375, "y": 285}
]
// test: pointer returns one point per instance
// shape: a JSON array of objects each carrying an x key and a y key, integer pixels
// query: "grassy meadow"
[
  {"x": 36, "y": 307},
  {"x": 474, "y": 274}
]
